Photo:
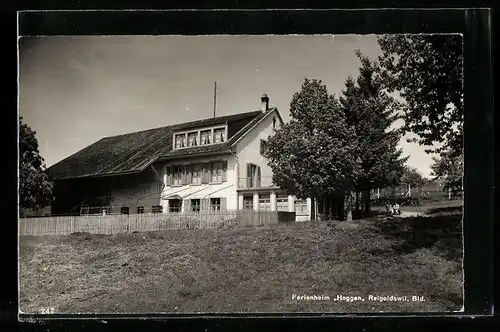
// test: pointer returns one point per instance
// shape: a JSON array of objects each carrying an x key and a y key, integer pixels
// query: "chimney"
[{"x": 265, "y": 102}]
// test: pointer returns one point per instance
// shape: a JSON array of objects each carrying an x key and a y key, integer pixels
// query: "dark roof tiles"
[{"x": 133, "y": 152}]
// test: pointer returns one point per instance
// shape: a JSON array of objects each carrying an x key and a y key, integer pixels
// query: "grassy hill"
[{"x": 249, "y": 269}]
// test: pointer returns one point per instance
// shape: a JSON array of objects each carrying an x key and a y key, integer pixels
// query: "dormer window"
[
  {"x": 180, "y": 141},
  {"x": 202, "y": 136},
  {"x": 193, "y": 138},
  {"x": 219, "y": 135},
  {"x": 205, "y": 137}
]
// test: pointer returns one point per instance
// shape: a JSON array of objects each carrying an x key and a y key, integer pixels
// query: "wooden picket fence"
[{"x": 113, "y": 224}]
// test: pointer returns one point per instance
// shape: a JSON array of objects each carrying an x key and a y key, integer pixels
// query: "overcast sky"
[{"x": 76, "y": 90}]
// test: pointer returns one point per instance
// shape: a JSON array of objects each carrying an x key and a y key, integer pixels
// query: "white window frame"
[
  {"x": 224, "y": 131},
  {"x": 300, "y": 205},
  {"x": 218, "y": 171},
  {"x": 265, "y": 202},
  {"x": 199, "y": 130},
  {"x": 196, "y": 138},
  {"x": 215, "y": 207},
  {"x": 177, "y": 170},
  {"x": 194, "y": 170},
  {"x": 197, "y": 205},
  {"x": 172, "y": 208},
  {"x": 282, "y": 202},
  {"x": 210, "y": 136}
]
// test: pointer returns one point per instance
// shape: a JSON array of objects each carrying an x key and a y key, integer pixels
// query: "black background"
[{"x": 478, "y": 132}]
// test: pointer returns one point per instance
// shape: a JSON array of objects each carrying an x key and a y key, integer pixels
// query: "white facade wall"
[
  {"x": 225, "y": 189},
  {"x": 151, "y": 189},
  {"x": 248, "y": 148}
]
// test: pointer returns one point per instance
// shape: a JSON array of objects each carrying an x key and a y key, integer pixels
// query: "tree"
[
  {"x": 371, "y": 111},
  {"x": 35, "y": 190},
  {"x": 426, "y": 70},
  {"x": 448, "y": 169},
  {"x": 314, "y": 154},
  {"x": 412, "y": 178}
]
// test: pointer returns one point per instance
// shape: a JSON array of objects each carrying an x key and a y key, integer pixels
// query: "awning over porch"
[
  {"x": 202, "y": 191},
  {"x": 182, "y": 193}
]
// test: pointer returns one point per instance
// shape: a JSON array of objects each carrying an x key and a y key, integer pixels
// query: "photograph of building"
[
  {"x": 214, "y": 164},
  {"x": 206, "y": 174}
]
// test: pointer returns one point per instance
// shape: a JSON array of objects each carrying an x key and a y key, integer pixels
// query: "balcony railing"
[{"x": 255, "y": 182}]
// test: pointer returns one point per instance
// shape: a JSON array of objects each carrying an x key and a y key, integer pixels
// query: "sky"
[{"x": 75, "y": 90}]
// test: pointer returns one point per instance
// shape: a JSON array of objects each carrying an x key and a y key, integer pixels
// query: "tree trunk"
[
  {"x": 342, "y": 206},
  {"x": 348, "y": 204},
  {"x": 357, "y": 201},
  {"x": 366, "y": 201},
  {"x": 313, "y": 208}
]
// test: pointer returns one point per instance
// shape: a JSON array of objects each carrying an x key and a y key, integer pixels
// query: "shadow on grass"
[
  {"x": 374, "y": 212},
  {"x": 441, "y": 232},
  {"x": 446, "y": 209}
]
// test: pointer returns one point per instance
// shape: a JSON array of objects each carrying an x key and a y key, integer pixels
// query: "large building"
[{"x": 207, "y": 165}]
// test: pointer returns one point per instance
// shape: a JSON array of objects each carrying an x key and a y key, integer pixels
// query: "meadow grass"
[{"x": 249, "y": 270}]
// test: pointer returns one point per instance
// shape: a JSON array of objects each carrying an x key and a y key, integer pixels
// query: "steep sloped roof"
[{"x": 133, "y": 152}]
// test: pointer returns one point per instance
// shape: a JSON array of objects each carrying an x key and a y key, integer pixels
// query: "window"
[
  {"x": 282, "y": 202},
  {"x": 157, "y": 209},
  {"x": 253, "y": 176},
  {"x": 193, "y": 138},
  {"x": 265, "y": 203},
  {"x": 215, "y": 204},
  {"x": 175, "y": 205},
  {"x": 197, "y": 173},
  {"x": 124, "y": 210},
  {"x": 217, "y": 172},
  {"x": 219, "y": 135},
  {"x": 300, "y": 205},
  {"x": 140, "y": 209},
  {"x": 263, "y": 147},
  {"x": 205, "y": 137},
  {"x": 196, "y": 177},
  {"x": 180, "y": 141},
  {"x": 178, "y": 174},
  {"x": 274, "y": 122},
  {"x": 200, "y": 137},
  {"x": 195, "y": 205},
  {"x": 248, "y": 202}
]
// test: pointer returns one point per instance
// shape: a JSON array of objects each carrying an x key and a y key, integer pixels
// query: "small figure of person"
[
  {"x": 387, "y": 209},
  {"x": 396, "y": 209}
]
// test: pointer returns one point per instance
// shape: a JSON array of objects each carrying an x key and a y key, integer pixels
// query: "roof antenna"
[{"x": 215, "y": 96}]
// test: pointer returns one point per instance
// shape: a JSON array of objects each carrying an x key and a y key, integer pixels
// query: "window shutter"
[
  {"x": 183, "y": 175},
  {"x": 205, "y": 178},
  {"x": 187, "y": 206},
  {"x": 224, "y": 171},
  {"x": 213, "y": 173},
  {"x": 189, "y": 174},
  {"x": 205, "y": 204},
  {"x": 169, "y": 175},
  {"x": 249, "y": 175},
  {"x": 223, "y": 203},
  {"x": 258, "y": 176}
]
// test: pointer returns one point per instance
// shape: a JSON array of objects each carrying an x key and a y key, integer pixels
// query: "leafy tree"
[
  {"x": 314, "y": 154},
  {"x": 412, "y": 178},
  {"x": 426, "y": 70},
  {"x": 372, "y": 111},
  {"x": 35, "y": 190},
  {"x": 448, "y": 169}
]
